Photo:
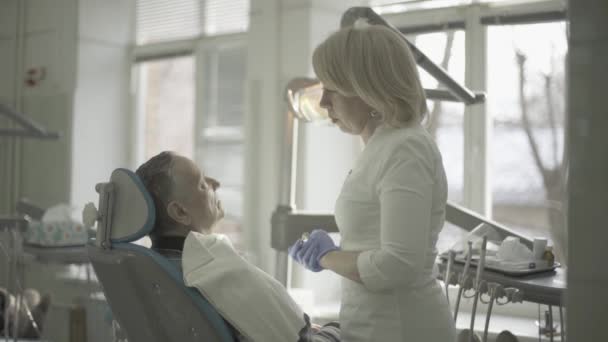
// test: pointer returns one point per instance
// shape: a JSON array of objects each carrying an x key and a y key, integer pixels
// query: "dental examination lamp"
[{"x": 302, "y": 96}]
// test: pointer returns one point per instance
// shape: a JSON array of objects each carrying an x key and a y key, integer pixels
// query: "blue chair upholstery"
[{"x": 145, "y": 291}]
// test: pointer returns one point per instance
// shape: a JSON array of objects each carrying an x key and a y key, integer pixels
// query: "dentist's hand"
[{"x": 310, "y": 252}]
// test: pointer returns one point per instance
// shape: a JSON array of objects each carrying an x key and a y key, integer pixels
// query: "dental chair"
[{"x": 144, "y": 290}]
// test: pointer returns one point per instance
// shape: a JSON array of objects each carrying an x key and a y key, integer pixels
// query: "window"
[
  {"x": 445, "y": 120},
  {"x": 223, "y": 87},
  {"x": 219, "y": 141},
  {"x": 214, "y": 137},
  {"x": 166, "y": 107},
  {"x": 525, "y": 176},
  {"x": 171, "y": 20},
  {"x": 193, "y": 104},
  {"x": 526, "y": 191},
  {"x": 526, "y": 103},
  {"x": 223, "y": 16}
]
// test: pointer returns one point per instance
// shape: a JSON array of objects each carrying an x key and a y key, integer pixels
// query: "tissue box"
[{"x": 56, "y": 234}]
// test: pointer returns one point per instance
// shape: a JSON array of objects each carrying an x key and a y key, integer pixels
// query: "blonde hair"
[{"x": 374, "y": 63}]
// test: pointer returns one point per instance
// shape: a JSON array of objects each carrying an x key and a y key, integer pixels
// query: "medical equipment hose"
[
  {"x": 463, "y": 278},
  {"x": 477, "y": 285}
]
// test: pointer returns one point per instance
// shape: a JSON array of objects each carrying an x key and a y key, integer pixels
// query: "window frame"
[
  {"x": 195, "y": 47},
  {"x": 478, "y": 125},
  {"x": 220, "y": 133}
]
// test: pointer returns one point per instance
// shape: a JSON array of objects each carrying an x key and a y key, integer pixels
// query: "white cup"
[{"x": 538, "y": 247}]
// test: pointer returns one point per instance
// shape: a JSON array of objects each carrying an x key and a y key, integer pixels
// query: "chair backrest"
[{"x": 145, "y": 291}]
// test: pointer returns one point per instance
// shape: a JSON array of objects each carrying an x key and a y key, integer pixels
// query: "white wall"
[
  {"x": 102, "y": 115},
  {"x": 49, "y": 43},
  {"x": 8, "y": 41},
  {"x": 587, "y": 299},
  {"x": 8, "y": 32},
  {"x": 83, "y": 47},
  {"x": 306, "y": 26}
]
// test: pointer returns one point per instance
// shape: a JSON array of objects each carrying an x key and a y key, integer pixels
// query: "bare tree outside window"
[
  {"x": 445, "y": 119},
  {"x": 437, "y": 108},
  {"x": 528, "y": 111},
  {"x": 526, "y": 102},
  {"x": 553, "y": 171}
]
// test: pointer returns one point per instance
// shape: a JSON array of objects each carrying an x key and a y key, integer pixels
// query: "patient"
[{"x": 186, "y": 201}]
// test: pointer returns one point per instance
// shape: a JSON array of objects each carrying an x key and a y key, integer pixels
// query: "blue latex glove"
[
  {"x": 309, "y": 253},
  {"x": 294, "y": 249}
]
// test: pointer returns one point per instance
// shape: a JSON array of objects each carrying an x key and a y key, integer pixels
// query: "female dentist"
[{"x": 392, "y": 204}]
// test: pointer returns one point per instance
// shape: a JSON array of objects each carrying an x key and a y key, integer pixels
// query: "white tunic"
[{"x": 392, "y": 208}]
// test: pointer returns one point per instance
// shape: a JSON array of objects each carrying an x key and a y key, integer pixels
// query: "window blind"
[
  {"x": 223, "y": 16},
  {"x": 170, "y": 20}
]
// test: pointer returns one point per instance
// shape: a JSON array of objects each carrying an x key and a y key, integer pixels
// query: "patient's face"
[{"x": 196, "y": 193}]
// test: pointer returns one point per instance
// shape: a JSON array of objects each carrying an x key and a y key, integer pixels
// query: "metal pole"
[
  {"x": 539, "y": 323},
  {"x": 493, "y": 289},
  {"x": 562, "y": 324},
  {"x": 462, "y": 93},
  {"x": 448, "y": 274},
  {"x": 281, "y": 271},
  {"x": 287, "y": 190},
  {"x": 477, "y": 285},
  {"x": 18, "y": 263},
  {"x": 8, "y": 277},
  {"x": 463, "y": 279},
  {"x": 550, "y": 323}
]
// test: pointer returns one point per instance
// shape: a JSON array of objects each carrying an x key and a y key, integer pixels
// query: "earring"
[{"x": 374, "y": 114}]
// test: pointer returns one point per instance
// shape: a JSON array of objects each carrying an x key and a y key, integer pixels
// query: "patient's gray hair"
[{"x": 157, "y": 176}]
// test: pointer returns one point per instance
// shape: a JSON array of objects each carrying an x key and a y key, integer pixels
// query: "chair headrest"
[{"x": 133, "y": 212}]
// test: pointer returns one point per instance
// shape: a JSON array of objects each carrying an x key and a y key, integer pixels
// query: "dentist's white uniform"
[{"x": 392, "y": 208}]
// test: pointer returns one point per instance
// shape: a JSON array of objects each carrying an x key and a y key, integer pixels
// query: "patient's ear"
[{"x": 177, "y": 212}]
